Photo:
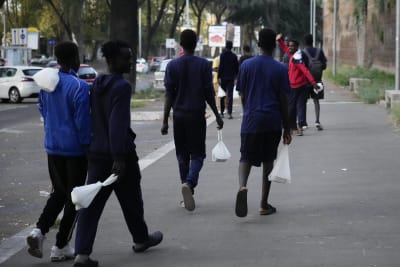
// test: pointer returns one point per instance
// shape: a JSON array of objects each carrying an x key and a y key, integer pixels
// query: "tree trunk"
[
  {"x": 152, "y": 28},
  {"x": 177, "y": 15},
  {"x": 124, "y": 26}
]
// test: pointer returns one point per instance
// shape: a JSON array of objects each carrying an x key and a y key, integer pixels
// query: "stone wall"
[{"x": 363, "y": 38}]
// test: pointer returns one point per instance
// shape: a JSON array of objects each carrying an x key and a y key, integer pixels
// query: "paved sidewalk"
[{"x": 341, "y": 209}]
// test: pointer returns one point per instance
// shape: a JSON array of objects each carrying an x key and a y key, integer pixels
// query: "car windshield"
[
  {"x": 86, "y": 71},
  {"x": 30, "y": 72}
]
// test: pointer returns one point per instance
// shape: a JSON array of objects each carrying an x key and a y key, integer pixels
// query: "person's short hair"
[
  {"x": 308, "y": 39},
  {"x": 112, "y": 49},
  {"x": 267, "y": 39},
  {"x": 66, "y": 52},
  {"x": 246, "y": 48},
  {"x": 188, "y": 40},
  {"x": 228, "y": 45},
  {"x": 294, "y": 41}
]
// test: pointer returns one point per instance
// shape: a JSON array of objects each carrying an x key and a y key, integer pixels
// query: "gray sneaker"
[{"x": 35, "y": 242}]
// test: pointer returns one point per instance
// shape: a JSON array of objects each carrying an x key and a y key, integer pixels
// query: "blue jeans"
[
  {"x": 190, "y": 142},
  {"x": 297, "y": 107}
]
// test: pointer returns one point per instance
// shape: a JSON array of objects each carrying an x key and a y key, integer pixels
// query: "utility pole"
[
  {"x": 334, "y": 37},
  {"x": 314, "y": 33},
  {"x": 313, "y": 9},
  {"x": 397, "y": 79},
  {"x": 140, "y": 33}
]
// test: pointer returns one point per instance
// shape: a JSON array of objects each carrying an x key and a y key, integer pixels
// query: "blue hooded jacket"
[
  {"x": 66, "y": 114},
  {"x": 112, "y": 136}
]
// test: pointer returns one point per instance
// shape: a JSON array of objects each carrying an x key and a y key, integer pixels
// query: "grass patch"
[
  {"x": 369, "y": 93},
  {"x": 148, "y": 94},
  {"x": 138, "y": 104},
  {"x": 395, "y": 114}
]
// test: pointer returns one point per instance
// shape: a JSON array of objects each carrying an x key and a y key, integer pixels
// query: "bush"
[
  {"x": 369, "y": 93},
  {"x": 395, "y": 114},
  {"x": 148, "y": 94}
]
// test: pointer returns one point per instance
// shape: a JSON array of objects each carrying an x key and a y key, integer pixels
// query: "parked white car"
[
  {"x": 16, "y": 83},
  {"x": 142, "y": 66},
  {"x": 159, "y": 74}
]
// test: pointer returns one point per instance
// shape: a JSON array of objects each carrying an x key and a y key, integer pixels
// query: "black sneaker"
[
  {"x": 153, "y": 240},
  {"x": 88, "y": 263},
  {"x": 230, "y": 117},
  {"x": 319, "y": 126}
]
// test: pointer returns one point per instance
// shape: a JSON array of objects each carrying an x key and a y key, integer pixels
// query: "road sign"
[
  {"x": 52, "y": 42},
  {"x": 19, "y": 36},
  {"x": 170, "y": 43}
]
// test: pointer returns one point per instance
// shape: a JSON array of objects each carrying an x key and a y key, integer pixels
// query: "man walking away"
[
  {"x": 65, "y": 112},
  {"x": 246, "y": 54},
  {"x": 227, "y": 72},
  {"x": 113, "y": 150},
  {"x": 263, "y": 84},
  {"x": 188, "y": 83},
  {"x": 316, "y": 65}
]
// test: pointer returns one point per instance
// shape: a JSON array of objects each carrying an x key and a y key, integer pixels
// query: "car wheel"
[{"x": 14, "y": 95}]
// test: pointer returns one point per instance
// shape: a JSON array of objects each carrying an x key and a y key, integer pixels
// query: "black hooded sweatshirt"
[{"x": 112, "y": 136}]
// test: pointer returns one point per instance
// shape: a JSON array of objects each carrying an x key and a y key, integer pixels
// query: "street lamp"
[{"x": 187, "y": 14}]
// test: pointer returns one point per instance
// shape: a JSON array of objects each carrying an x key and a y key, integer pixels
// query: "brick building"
[{"x": 366, "y": 33}]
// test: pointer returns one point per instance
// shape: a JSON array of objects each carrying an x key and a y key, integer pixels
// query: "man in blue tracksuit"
[
  {"x": 65, "y": 112},
  {"x": 112, "y": 150}
]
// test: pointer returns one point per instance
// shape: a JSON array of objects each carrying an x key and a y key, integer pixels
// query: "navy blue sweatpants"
[
  {"x": 297, "y": 107},
  {"x": 129, "y": 195}
]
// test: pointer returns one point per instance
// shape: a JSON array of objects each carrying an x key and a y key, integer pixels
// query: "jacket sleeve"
[
  {"x": 221, "y": 65},
  {"x": 82, "y": 113},
  {"x": 284, "y": 47},
  {"x": 208, "y": 84},
  {"x": 306, "y": 73},
  {"x": 323, "y": 59},
  {"x": 120, "y": 121}
]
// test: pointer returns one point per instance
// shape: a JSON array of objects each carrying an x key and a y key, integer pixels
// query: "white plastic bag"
[
  {"x": 220, "y": 152},
  {"x": 47, "y": 79},
  {"x": 281, "y": 171},
  {"x": 83, "y": 195},
  {"x": 221, "y": 92}
]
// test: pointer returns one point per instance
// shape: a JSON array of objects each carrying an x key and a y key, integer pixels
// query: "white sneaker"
[
  {"x": 62, "y": 254},
  {"x": 35, "y": 242}
]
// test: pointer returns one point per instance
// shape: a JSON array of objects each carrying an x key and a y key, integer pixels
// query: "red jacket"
[{"x": 298, "y": 72}]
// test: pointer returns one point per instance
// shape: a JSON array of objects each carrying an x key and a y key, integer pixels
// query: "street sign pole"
[{"x": 334, "y": 37}]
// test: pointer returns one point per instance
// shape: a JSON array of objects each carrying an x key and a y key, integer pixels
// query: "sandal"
[
  {"x": 267, "y": 211},
  {"x": 241, "y": 203}
]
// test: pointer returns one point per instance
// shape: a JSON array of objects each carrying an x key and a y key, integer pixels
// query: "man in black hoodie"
[
  {"x": 227, "y": 72},
  {"x": 112, "y": 150}
]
